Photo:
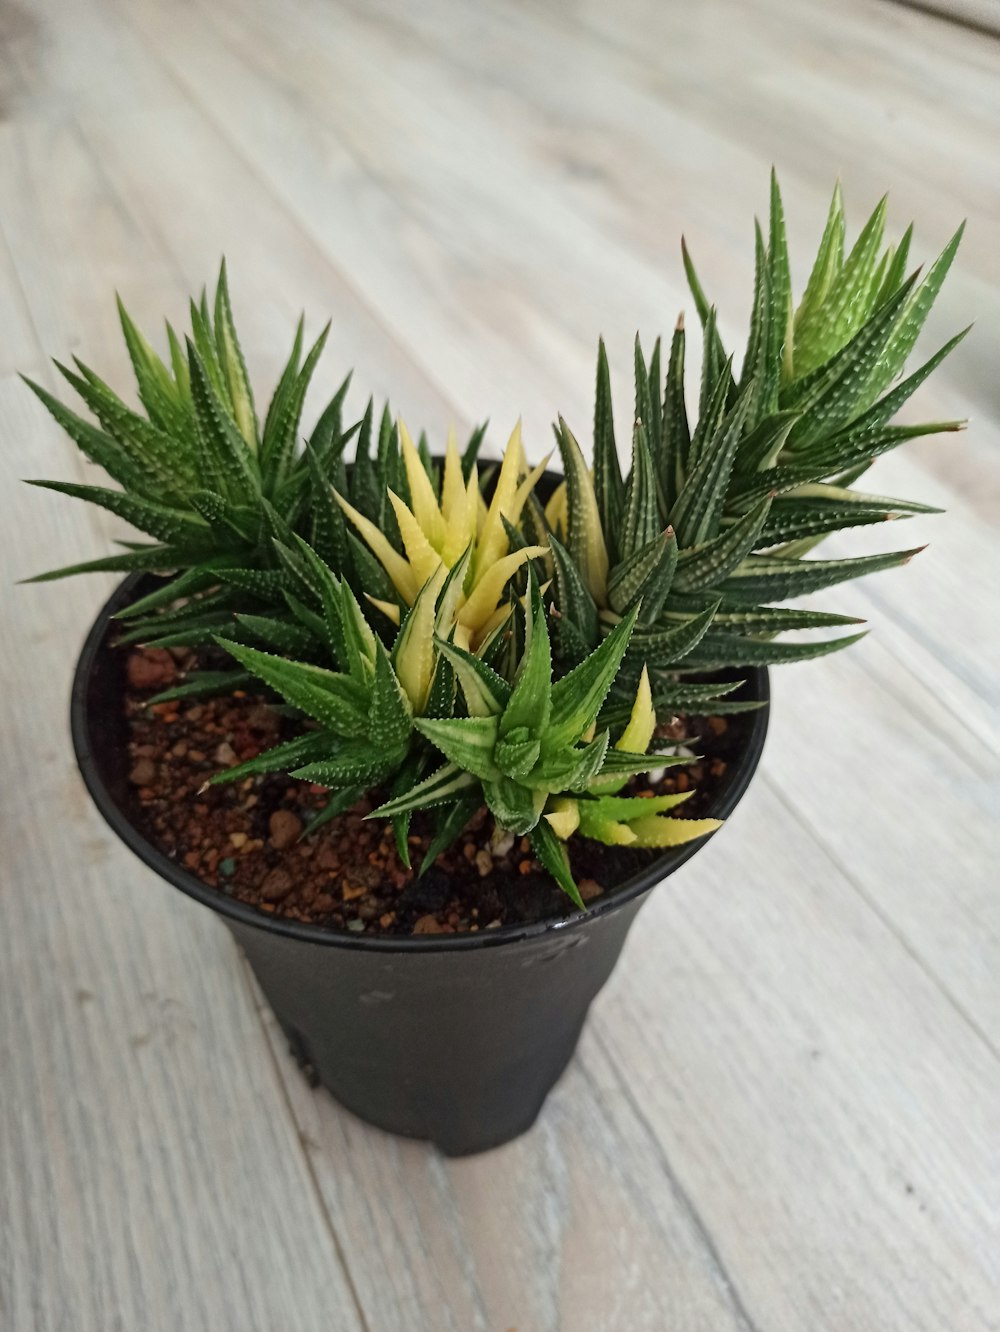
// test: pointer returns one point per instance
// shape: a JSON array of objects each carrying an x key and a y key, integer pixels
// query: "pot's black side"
[
  {"x": 459, "y": 1048},
  {"x": 456, "y": 1039}
]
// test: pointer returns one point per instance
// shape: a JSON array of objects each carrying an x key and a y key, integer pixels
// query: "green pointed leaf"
[
  {"x": 769, "y": 578},
  {"x": 337, "y": 802},
  {"x": 289, "y": 638},
  {"x": 609, "y": 487},
  {"x": 551, "y": 855},
  {"x": 200, "y": 684},
  {"x": 661, "y": 647},
  {"x": 233, "y": 365},
  {"x": 531, "y": 700},
  {"x": 95, "y": 445},
  {"x": 698, "y": 512},
  {"x": 641, "y": 520},
  {"x": 442, "y": 787},
  {"x": 352, "y": 762},
  {"x": 632, "y": 579},
  {"x": 828, "y": 263},
  {"x": 573, "y": 600},
  {"x": 167, "y": 459},
  {"x": 705, "y": 565},
  {"x": 676, "y": 431},
  {"x": 169, "y": 525},
  {"x": 449, "y": 824},
  {"x": 225, "y": 463},
  {"x": 467, "y": 741},
  {"x": 486, "y": 693},
  {"x": 822, "y": 329},
  {"x": 162, "y": 398},
  {"x": 573, "y": 768},
  {"x": 578, "y": 696},
  {"x": 585, "y": 538},
  {"x": 720, "y": 649},
  {"x": 514, "y": 806},
  {"x": 389, "y": 716},
  {"x": 280, "y": 758},
  {"x": 776, "y": 619},
  {"x": 333, "y": 699}
]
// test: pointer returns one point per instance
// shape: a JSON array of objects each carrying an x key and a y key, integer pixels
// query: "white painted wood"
[
  {"x": 784, "y": 1113},
  {"x": 143, "y": 1131}
]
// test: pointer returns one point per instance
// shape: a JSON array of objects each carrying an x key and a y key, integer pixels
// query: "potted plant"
[{"x": 425, "y": 734}]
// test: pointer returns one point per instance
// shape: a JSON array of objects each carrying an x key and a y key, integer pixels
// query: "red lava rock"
[
  {"x": 150, "y": 668},
  {"x": 589, "y": 889},
  {"x": 327, "y": 857},
  {"x": 276, "y": 885},
  {"x": 143, "y": 772},
  {"x": 284, "y": 828},
  {"x": 428, "y": 925}
]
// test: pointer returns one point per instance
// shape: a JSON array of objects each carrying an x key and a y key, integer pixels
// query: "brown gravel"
[{"x": 251, "y": 838}]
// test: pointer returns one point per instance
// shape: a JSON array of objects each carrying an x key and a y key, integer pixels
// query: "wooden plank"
[
  {"x": 823, "y": 1102},
  {"x": 579, "y": 1224},
  {"x": 782, "y": 1115},
  {"x": 139, "y": 1095}
]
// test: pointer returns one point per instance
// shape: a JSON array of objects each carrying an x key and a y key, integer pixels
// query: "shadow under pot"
[{"x": 456, "y": 1039}]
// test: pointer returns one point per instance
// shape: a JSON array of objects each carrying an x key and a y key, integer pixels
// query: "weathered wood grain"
[
  {"x": 784, "y": 1113},
  {"x": 143, "y": 1131}
]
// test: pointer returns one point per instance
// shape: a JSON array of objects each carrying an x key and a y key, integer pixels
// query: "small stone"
[
  {"x": 356, "y": 926},
  {"x": 718, "y": 725},
  {"x": 484, "y": 862},
  {"x": 323, "y": 902},
  {"x": 276, "y": 885},
  {"x": 143, "y": 772},
  {"x": 150, "y": 668},
  {"x": 428, "y": 925},
  {"x": 501, "y": 843},
  {"x": 284, "y": 828},
  {"x": 196, "y": 755},
  {"x": 589, "y": 889},
  {"x": 352, "y": 891},
  {"x": 227, "y": 866},
  {"x": 238, "y": 839},
  {"x": 327, "y": 857},
  {"x": 225, "y": 755}
]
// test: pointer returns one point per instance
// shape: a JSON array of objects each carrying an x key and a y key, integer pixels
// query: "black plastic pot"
[{"x": 457, "y": 1039}]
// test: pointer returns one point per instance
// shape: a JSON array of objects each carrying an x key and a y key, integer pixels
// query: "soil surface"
[{"x": 251, "y": 838}]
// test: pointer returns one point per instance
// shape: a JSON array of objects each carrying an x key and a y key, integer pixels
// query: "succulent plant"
[
  {"x": 530, "y": 750},
  {"x": 395, "y": 602},
  {"x": 197, "y": 469},
  {"x": 437, "y": 531},
  {"x": 711, "y": 522}
]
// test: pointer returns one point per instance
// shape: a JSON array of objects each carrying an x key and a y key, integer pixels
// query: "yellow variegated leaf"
[
  {"x": 423, "y": 558},
  {"x": 659, "y": 830},
  {"x": 388, "y": 608},
  {"x": 415, "y": 654},
  {"x": 403, "y": 577},
  {"x": 422, "y": 498},
  {"x": 563, "y": 817},
  {"x": 557, "y": 511},
  {"x": 642, "y": 723},
  {"x": 493, "y": 537},
  {"x": 482, "y": 600}
]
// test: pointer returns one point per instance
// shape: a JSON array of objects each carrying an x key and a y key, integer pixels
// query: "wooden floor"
[{"x": 785, "y": 1111}]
